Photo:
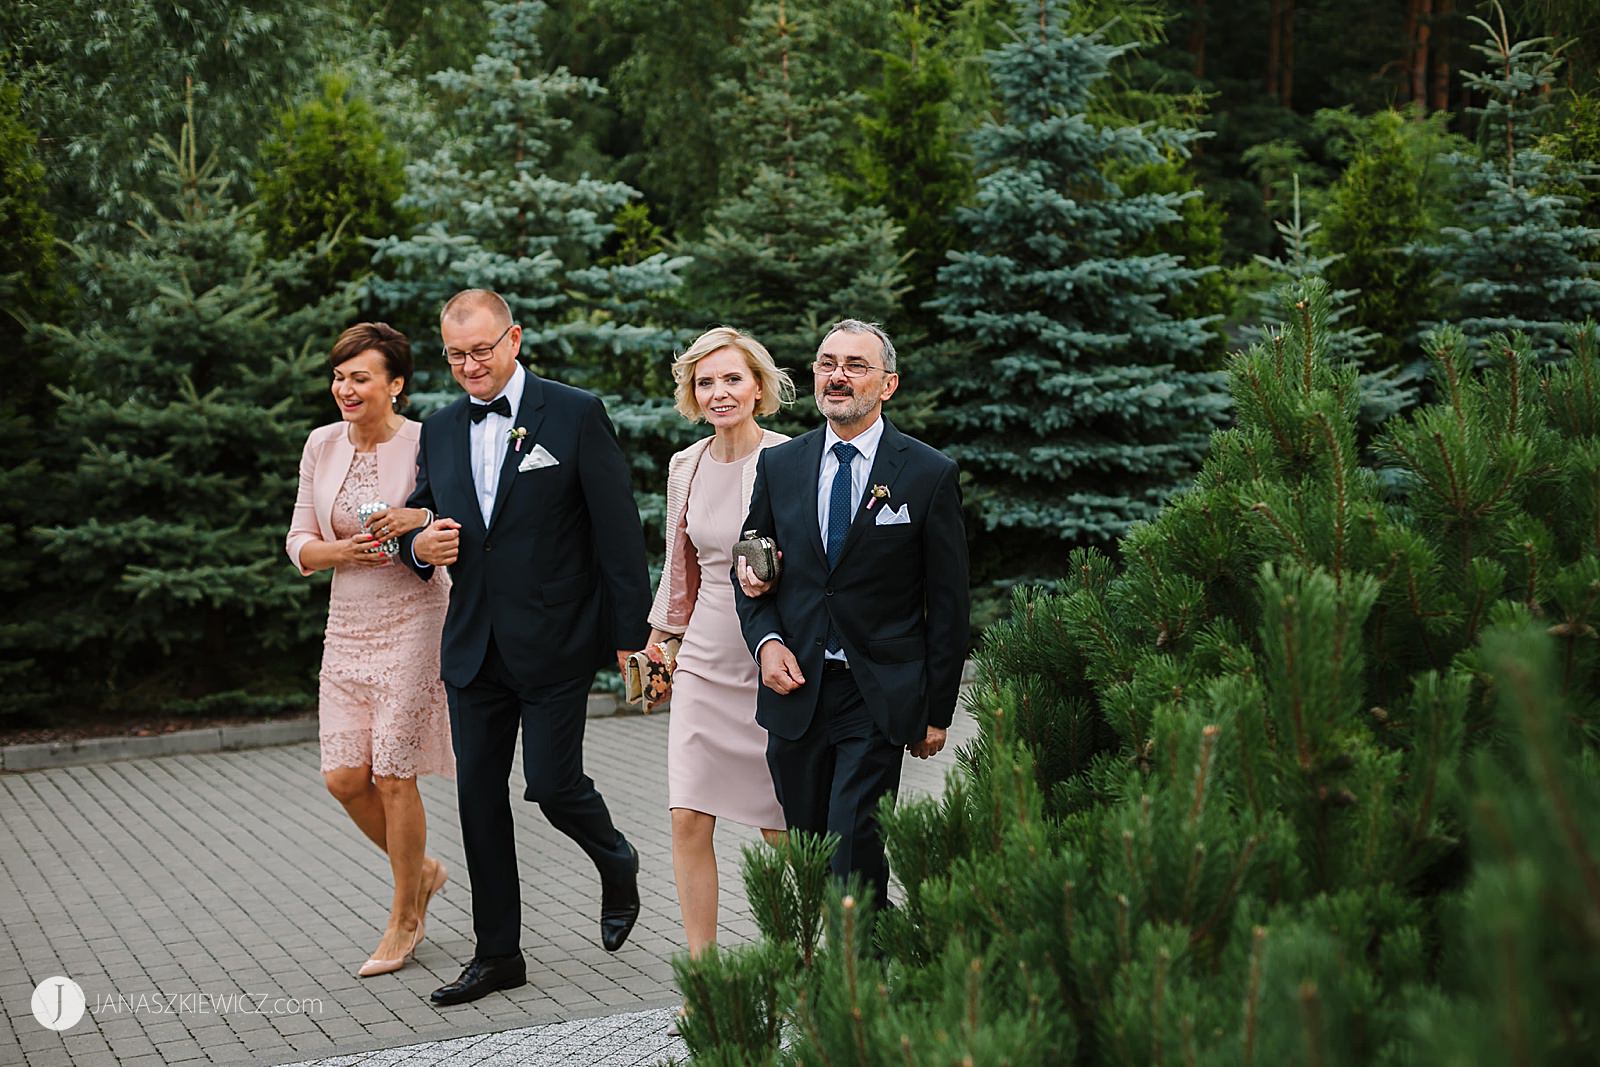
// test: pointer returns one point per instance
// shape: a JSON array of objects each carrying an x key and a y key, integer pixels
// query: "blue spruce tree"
[
  {"x": 1521, "y": 258},
  {"x": 495, "y": 217},
  {"x": 1065, "y": 405}
]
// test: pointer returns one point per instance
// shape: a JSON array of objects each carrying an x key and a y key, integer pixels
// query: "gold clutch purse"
[
  {"x": 761, "y": 554},
  {"x": 647, "y": 674}
]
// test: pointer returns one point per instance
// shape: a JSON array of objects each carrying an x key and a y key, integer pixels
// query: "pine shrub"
[{"x": 1308, "y": 774}]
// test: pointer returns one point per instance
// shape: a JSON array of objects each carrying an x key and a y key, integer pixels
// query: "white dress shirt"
[
  {"x": 866, "y": 444},
  {"x": 489, "y": 443}
]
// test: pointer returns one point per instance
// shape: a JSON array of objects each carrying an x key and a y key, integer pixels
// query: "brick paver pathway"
[{"x": 214, "y": 907}]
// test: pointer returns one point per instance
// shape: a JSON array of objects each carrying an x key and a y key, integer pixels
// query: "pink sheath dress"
[
  {"x": 380, "y": 702},
  {"x": 716, "y": 752}
]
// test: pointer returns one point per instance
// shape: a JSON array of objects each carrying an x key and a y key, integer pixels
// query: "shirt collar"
[{"x": 866, "y": 441}]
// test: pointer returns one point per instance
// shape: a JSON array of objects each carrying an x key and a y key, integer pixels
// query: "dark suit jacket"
[
  {"x": 559, "y": 575},
  {"x": 898, "y": 596}
]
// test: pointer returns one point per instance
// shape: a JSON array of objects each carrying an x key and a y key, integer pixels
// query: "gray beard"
[{"x": 855, "y": 412}]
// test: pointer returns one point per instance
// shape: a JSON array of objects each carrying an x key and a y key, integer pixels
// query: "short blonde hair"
[{"x": 777, "y": 389}]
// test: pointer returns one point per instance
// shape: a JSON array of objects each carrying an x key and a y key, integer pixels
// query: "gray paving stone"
[{"x": 234, "y": 875}]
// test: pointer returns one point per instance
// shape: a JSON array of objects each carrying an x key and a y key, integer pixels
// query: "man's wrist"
[{"x": 763, "y": 643}]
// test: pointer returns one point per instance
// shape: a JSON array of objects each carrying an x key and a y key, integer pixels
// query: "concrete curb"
[
  {"x": 43, "y": 754},
  {"x": 40, "y": 755}
]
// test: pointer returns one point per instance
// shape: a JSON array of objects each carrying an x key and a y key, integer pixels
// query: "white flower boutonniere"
[
  {"x": 879, "y": 492},
  {"x": 517, "y": 433}
]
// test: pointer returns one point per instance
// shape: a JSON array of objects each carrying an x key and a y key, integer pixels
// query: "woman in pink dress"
[
  {"x": 380, "y": 704},
  {"x": 716, "y": 753}
]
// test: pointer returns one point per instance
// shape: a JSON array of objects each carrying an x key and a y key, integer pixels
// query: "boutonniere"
[
  {"x": 879, "y": 492},
  {"x": 517, "y": 433}
]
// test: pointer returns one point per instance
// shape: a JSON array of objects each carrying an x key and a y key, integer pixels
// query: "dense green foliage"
[
  {"x": 1374, "y": 211},
  {"x": 100, "y": 80},
  {"x": 185, "y": 406},
  {"x": 30, "y": 286},
  {"x": 908, "y": 129},
  {"x": 329, "y": 181},
  {"x": 1308, "y": 774},
  {"x": 632, "y": 173},
  {"x": 783, "y": 252}
]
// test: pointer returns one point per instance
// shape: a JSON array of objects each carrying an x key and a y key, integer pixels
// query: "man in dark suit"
[
  {"x": 537, "y": 524},
  {"x": 862, "y": 637}
]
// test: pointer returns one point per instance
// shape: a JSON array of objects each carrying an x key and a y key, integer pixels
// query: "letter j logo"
[{"x": 58, "y": 1003}]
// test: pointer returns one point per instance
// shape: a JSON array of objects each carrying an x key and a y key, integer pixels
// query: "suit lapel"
[
  {"x": 811, "y": 471},
  {"x": 461, "y": 440},
  {"x": 885, "y": 465},
  {"x": 530, "y": 413}
]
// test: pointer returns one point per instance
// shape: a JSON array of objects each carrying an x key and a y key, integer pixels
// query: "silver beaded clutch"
[{"x": 365, "y": 513}]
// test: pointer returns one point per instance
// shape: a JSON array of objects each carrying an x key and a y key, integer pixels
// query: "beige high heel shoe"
[
  {"x": 441, "y": 875},
  {"x": 374, "y": 966}
]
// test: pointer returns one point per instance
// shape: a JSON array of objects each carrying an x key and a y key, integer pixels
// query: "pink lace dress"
[{"x": 380, "y": 702}]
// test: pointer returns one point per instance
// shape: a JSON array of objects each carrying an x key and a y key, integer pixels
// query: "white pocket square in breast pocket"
[
  {"x": 895, "y": 517},
  {"x": 539, "y": 457}
]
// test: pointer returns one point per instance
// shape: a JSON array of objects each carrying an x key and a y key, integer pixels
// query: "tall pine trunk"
[
  {"x": 1440, "y": 97},
  {"x": 1286, "y": 56},
  {"x": 1197, "y": 37},
  {"x": 1419, "y": 30},
  {"x": 1274, "y": 43}
]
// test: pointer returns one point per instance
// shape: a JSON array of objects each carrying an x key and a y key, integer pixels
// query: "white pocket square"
[
  {"x": 537, "y": 458},
  {"x": 895, "y": 517}
]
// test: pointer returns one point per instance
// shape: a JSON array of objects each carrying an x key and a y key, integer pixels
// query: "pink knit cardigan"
[{"x": 680, "y": 575}]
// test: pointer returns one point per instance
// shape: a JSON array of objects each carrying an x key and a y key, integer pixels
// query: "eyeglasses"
[
  {"x": 853, "y": 368},
  {"x": 481, "y": 354}
]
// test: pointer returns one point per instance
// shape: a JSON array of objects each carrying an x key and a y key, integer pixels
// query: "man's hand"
[
  {"x": 753, "y": 586},
  {"x": 439, "y": 544},
  {"x": 930, "y": 745},
  {"x": 392, "y": 522},
  {"x": 780, "y": 671}
]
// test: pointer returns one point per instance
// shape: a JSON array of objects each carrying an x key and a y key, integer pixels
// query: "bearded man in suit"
[
  {"x": 537, "y": 524},
  {"x": 862, "y": 636}
]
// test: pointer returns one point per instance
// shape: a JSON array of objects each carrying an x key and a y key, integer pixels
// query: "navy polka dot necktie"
[
  {"x": 839, "y": 500},
  {"x": 840, "y": 506}
]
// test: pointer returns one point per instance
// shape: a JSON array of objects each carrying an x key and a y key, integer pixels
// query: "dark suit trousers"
[
  {"x": 830, "y": 780},
  {"x": 484, "y": 717}
]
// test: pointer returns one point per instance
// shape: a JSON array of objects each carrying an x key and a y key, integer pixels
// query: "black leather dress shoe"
[
  {"x": 483, "y": 975},
  {"x": 619, "y": 904}
]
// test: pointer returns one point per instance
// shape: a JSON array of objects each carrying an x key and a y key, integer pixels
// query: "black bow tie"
[{"x": 479, "y": 412}]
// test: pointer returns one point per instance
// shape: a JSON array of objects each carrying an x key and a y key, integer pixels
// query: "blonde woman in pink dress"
[
  {"x": 716, "y": 754},
  {"x": 380, "y": 704}
]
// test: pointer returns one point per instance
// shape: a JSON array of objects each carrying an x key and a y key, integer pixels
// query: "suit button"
[
  {"x": 819, "y": 642},
  {"x": 488, "y": 547},
  {"x": 827, "y": 592}
]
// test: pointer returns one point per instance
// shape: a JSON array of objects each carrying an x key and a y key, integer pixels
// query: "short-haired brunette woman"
[{"x": 380, "y": 704}]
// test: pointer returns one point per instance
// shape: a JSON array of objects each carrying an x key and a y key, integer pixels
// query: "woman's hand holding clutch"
[
  {"x": 362, "y": 550},
  {"x": 647, "y": 674}
]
